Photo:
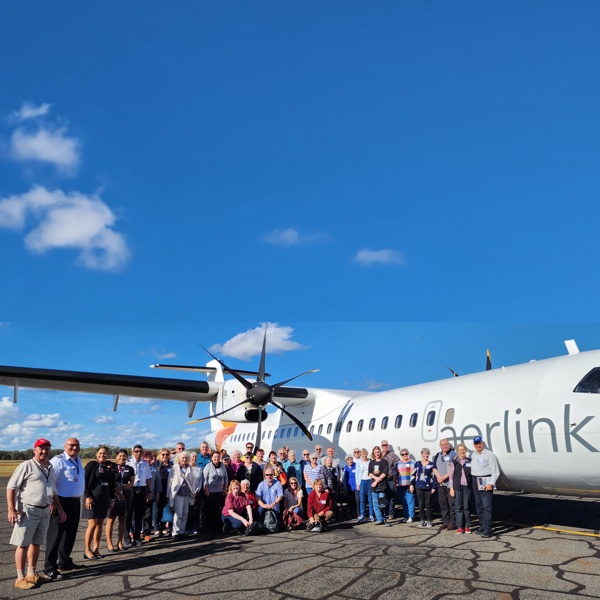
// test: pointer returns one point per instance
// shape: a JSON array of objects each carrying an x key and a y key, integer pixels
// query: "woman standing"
[
  {"x": 352, "y": 486},
  {"x": 124, "y": 477},
  {"x": 164, "y": 468},
  {"x": 460, "y": 481},
  {"x": 181, "y": 490},
  {"x": 378, "y": 472},
  {"x": 215, "y": 488},
  {"x": 402, "y": 476},
  {"x": 423, "y": 480},
  {"x": 363, "y": 479},
  {"x": 99, "y": 494}
]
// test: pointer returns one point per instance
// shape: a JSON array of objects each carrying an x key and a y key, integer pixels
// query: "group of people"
[{"x": 177, "y": 493}]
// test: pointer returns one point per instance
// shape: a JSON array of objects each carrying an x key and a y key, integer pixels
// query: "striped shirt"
[{"x": 404, "y": 471}]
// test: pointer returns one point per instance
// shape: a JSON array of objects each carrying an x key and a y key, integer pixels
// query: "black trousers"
[
  {"x": 446, "y": 505},
  {"x": 135, "y": 518},
  {"x": 61, "y": 536}
]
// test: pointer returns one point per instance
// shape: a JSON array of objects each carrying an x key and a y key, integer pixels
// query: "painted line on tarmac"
[{"x": 566, "y": 531}]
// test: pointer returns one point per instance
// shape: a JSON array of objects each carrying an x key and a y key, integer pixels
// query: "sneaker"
[
  {"x": 422, "y": 524},
  {"x": 429, "y": 524},
  {"x": 486, "y": 535},
  {"x": 409, "y": 520},
  {"x": 23, "y": 584},
  {"x": 371, "y": 519},
  {"x": 460, "y": 531},
  {"x": 467, "y": 530},
  {"x": 38, "y": 578},
  {"x": 360, "y": 520}
]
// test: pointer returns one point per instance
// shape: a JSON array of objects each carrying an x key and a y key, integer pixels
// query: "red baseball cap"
[{"x": 42, "y": 442}]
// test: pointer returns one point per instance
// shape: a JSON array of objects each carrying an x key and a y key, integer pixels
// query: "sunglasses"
[
  {"x": 404, "y": 454},
  {"x": 268, "y": 474}
]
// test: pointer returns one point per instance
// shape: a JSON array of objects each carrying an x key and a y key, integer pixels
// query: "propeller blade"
[
  {"x": 278, "y": 385},
  {"x": 263, "y": 354},
  {"x": 293, "y": 418},
  {"x": 259, "y": 428},
  {"x": 243, "y": 381},
  {"x": 217, "y": 414}
]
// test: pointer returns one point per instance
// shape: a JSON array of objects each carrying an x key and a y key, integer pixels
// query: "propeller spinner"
[{"x": 259, "y": 393}]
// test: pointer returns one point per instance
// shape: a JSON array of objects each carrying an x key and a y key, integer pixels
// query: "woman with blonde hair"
[
  {"x": 320, "y": 507},
  {"x": 237, "y": 512},
  {"x": 292, "y": 504},
  {"x": 181, "y": 491}
]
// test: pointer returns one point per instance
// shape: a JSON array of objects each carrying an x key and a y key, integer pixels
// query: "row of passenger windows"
[{"x": 286, "y": 432}]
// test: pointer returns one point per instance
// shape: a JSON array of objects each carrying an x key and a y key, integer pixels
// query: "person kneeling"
[
  {"x": 237, "y": 512},
  {"x": 320, "y": 508}
]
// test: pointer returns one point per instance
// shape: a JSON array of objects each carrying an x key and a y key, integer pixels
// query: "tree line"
[{"x": 84, "y": 453}]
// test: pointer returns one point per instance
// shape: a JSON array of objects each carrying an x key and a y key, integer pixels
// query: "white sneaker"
[
  {"x": 422, "y": 524},
  {"x": 409, "y": 520},
  {"x": 429, "y": 524}
]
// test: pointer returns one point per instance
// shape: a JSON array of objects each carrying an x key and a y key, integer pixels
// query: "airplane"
[{"x": 539, "y": 418}]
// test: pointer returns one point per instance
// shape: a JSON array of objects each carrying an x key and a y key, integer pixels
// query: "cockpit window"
[{"x": 590, "y": 384}]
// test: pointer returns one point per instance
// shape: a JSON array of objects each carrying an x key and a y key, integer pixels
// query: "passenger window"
[
  {"x": 275, "y": 435},
  {"x": 349, "y": 426},
  {"x": 269, "y": 436},
  {"x": 338, "y": 427},
  {"x": 398, "y": 422},
  {"x": 254, "y": 435},
  {"x": 289, "y": 433},
  {"x": 263, "y": 434},
  {"x": 329, "y": 428},
  {"x": 384, "y": 423},
  {"x": 360, "y": 425},
  {"x": 413, "y": 420},
  {"x": 372, "y": 424},
  {"x": 449, "y": 418},
  {"x": 430, "y": 420},
  {"x": 320, "y": 430},
  {"x": 296, "y": 431},
  {"x": 312, "y": 429}
]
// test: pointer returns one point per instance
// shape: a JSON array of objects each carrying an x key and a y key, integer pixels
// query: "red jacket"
[{"x": 316, "y": 506}]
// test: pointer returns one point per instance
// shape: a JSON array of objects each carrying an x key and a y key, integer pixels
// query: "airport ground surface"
[{"x": 525, "y": 561}]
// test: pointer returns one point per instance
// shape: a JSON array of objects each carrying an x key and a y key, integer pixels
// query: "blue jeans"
[
  {"x": 407, "y": 500},
  {"x": 392, "y": 502},
  {"x": 462, "y": 496},
  {"x": 365, "y": 494},
  {"x": 483, "y": 504},
  {"x": 234, "y": 523},
  {"x": 374, "y": 501}
]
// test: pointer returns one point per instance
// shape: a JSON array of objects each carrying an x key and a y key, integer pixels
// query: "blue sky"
[{"x": 402, "y": 184}]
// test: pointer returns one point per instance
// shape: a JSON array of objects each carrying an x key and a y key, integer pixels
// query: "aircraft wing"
[{"x": 161, "y": 388}]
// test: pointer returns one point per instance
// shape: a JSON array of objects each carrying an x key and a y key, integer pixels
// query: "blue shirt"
[
  {"x": 70, "y": 475},
  {"x": 269, "y": 493}
]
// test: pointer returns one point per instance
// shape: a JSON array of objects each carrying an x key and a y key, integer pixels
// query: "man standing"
[
  {"x": 29, "y": 493},
  {"x": 203, "y": 455},
  {"x": 70, "y": 482},
  {"x": 141, "y": 493},
  {"x": 392, "y": 460},
  {"x": 441, "y": 463},
  {"x": 485, "y": 472},
  {"x": 250, "y": 448}
]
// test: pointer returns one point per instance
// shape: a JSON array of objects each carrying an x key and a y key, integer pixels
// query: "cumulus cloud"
[
  {"x": 291, "y": 237},
  {"x": 249, "y": 343},
  {"x": 162, "y": 354},
  {"x": 72, "y": 220},
  {"x": 368, "y": 258},
  {"x": 46, "y": 145},
  {"x": 104, "y": 420},
  {"x": 30, "y": 111}
]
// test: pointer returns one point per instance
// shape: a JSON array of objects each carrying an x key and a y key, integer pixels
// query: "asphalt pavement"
[{"x": 544, "y": 547}]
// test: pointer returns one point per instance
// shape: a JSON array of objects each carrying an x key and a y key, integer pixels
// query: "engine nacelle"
[{"x": 233, "y": 393}]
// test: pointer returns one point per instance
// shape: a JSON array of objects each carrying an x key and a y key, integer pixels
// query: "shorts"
[{"x": 32, "y": 528}]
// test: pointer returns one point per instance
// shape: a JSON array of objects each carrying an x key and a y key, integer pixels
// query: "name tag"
[
  {"x": 49, "y": 493},
  {"x": 467, "y": 464},
  {"x": 322, "y": 502}
]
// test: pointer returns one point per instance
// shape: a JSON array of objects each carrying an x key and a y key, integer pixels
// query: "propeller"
[{"x": 259, "y": 393}]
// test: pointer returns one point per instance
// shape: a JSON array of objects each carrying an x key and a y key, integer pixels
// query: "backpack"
[
  {"x": 291, "y": 519},
  {"x": 270, "y": 524}
]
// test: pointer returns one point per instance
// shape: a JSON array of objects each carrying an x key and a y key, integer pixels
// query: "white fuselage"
[{"x": 545, "y": 435}]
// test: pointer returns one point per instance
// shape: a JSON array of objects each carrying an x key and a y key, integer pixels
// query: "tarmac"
[{"x": 544, "y": 547}]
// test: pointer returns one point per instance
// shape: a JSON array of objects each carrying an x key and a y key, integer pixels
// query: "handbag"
[{"x": 167, "y": 515}]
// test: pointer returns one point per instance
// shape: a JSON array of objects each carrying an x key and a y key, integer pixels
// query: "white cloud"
[
  {"x": 249, "y": 343},
  {"x": 369, "y": 258},
  {"x": 291, "y": 237},
  {"x": 46, "y": 145},
  {"x": 30, "y": 111},
  {"x": 71, "y": 220},
  {"x": 162, "y": 354},
  {"x": 104, "y": 420}
]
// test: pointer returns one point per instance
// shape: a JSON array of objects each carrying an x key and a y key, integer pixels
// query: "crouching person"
[
  {"x": 237, "y": 512},
  {"x": 30, "y": 493},
  {"x": 269, "y": 495},
  {"x": 320, "y": 508}
]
